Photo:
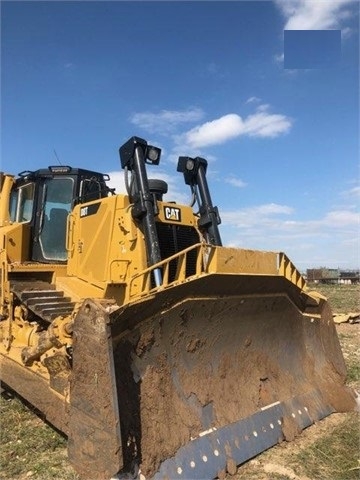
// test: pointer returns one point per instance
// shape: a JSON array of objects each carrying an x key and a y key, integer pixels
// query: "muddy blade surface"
[{"x": 206, "y": 380}]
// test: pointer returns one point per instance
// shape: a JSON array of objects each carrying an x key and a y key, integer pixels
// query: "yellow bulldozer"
[{"x": 157, "y": 351}]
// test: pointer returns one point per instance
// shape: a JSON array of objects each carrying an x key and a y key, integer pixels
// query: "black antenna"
[{"x": 57, "y": 158}]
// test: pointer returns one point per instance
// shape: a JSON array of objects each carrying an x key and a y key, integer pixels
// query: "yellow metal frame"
[
  {"x": 212, "y": 259},
  {"x": 289, "y": 271}
]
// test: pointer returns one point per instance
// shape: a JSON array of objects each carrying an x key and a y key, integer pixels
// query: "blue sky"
[
  {"x": 311, "y": 49},
  {"x": 197, "y": 78}
]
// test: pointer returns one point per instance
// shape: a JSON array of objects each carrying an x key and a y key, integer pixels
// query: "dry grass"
[
  {"x": 328, "y": 450},
  {"x": 29, "y": 447},
  {"x": 342, "y": 298},
  {"x": 335, "y": 455}
]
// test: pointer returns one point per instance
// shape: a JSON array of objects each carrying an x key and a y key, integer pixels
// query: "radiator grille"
[{"x": 174, "y": 239}]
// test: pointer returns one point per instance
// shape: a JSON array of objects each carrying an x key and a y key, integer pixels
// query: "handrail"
[
  {"x": 140, "y": 283},
  {"x": 6, "y": 183},
  {"x": 69, "y": 238}
]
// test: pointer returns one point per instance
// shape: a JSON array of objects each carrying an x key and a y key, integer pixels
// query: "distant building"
[
  {"x": 332, "y": 275},
  {"x": 349, "y": 276},
  {"x": 322, "y": 274}
]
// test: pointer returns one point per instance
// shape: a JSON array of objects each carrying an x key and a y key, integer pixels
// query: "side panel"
[
  {"x": 15, "y": 240},
  {"x": 103, "y": 242},
  {"x": 90, "y": 231},
  {"x": 229, "y": 260}
]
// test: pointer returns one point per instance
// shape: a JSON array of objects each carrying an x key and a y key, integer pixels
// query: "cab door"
[{"x": 55, "y": 199}]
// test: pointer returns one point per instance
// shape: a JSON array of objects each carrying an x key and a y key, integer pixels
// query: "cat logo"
[
  {"x": 172, "y": 213},
  {"x": 89, "y": 210},
  {"x": 83, "y": 211}
]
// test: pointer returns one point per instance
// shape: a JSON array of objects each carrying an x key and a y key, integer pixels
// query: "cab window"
[
  {"x": 90, "y": 189},
  {"x": 22, "y": 203},
  {"x": 57, "y": 200}
]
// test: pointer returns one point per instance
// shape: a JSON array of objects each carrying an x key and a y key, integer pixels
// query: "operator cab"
[{"x": 44, "y": 198}]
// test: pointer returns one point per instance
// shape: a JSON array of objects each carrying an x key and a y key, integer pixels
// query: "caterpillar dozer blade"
[
  {"x": 210, "y": 372},
  {"x": 158, "y": 352}
]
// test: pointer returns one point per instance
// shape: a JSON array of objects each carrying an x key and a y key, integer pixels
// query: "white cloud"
[
  {"x": 215, "y": 132},
  {"x": 165, "y": 120},
  {"x": 329, "y": 240},
  {"x": 256, "y": 216},
  {"x": 253, "y": 100},
  {"x": 341, "y": 218},
  {"x": 279, "y": 58},
  {"x": 263, "y": 107},
  {"x": 353, "y": 192},
  {"x": 176, "y": 194},
  {"x": 227, "y": 127},
  {"x": 117, "y": 181},
  {"x": 314, "y": 14},
  {"x": 177, "y": 190},
  {"x": 266, "y": 125},
  {"x": 271, "y": 209},
  {"x": 235, "y": 182}
]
